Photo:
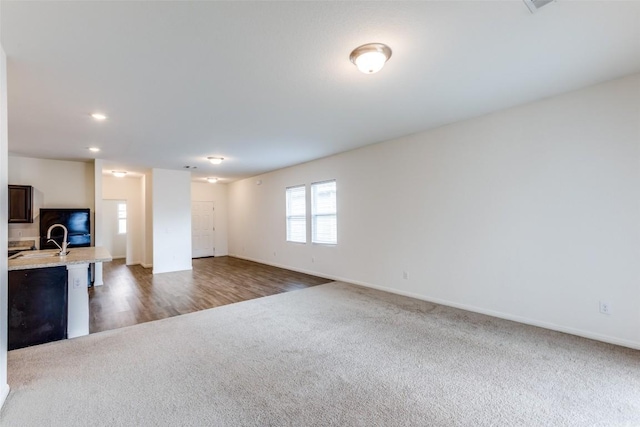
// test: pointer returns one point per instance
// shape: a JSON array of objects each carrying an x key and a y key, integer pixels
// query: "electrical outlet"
[
  {"x": 313, "y": 259},
  {"x": 405, "y": 275},
  {"x": 605, "y": 307},
  {"x": 274, "y": 253}
]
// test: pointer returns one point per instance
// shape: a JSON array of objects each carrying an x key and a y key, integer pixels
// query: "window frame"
[
  {"x": 289, "y": 216},
  {"x": 122, "y": 216},
  {"x": 315, "y": 215}
]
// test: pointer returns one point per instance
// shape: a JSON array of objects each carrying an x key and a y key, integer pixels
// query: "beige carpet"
[{"x": 334, "y": 354}]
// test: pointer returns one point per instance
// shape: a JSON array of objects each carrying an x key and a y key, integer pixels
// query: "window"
[
  {"x": 324, "y": 213},
  {"x": 122, "y": 218},
  {"x": 297, "y": 214}
]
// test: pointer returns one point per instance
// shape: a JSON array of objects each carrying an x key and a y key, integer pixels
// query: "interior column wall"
[
  {"x": 171, "y": 220},
  {"x": 97, "y": 218},
  {"x": 147, "y": 180}
]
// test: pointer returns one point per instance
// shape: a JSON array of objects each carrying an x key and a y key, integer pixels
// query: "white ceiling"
[{"x": 269, "y": 84}]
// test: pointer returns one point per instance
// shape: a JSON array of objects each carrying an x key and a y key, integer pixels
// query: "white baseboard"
[
  {"x": 520, "y": 319},
  {"x": 515, "y": 318},
  {"x": 172, "y": 271},
  {"x": 4, "y": 392}
]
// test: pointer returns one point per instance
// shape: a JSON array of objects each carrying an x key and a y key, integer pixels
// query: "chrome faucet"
[{"x": 63, "y": 248}]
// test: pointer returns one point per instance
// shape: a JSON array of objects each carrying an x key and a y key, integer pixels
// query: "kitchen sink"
[{"x": 37, "y": 254}]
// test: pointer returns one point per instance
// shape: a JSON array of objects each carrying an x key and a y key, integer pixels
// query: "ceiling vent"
[{"x": 534, "y": 5}]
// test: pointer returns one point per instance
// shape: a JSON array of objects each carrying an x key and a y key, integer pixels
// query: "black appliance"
[{"x": 77, "y": 221}]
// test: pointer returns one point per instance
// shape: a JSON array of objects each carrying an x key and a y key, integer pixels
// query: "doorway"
[
  {"x": 114, "y": 227},
  {"x": 202, "y": 229}
]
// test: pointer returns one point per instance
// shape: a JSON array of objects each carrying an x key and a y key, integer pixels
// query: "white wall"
[
  {"x": 4, "y": 208},
  {"x": 114, "y": 242},
  {"x": 147, "y": 184},
  {"x": 171, "y": 220},
  {"x": 130, "y": 189},
  {"x": 97, "y": 218},
  {"x": 530, "y": 214},
  {"x": 64, "y": 184},
  {"x": 216, "y": 193}
]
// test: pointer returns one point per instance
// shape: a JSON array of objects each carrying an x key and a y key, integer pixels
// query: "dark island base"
[{"x": 37, "y": 306}]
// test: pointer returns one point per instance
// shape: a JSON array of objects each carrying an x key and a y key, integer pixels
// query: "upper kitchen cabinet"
[{"x": 22, "y": 206}]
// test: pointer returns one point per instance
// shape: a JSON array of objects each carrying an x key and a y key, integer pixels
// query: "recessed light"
[
  {"x": 94, "y": 149},
  {"x": 212, "y": 180},
  {"x": 215, "y": 160},
  {"x": 99, "y": 116},
  {"x": 119, "y": 174}
]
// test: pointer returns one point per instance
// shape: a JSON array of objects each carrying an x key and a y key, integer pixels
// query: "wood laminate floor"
[{"x": 131, "y": 294}]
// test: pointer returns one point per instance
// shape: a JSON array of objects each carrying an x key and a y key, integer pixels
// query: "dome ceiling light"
[
  {"x": 215, "y": 160},
  {"x": 370, "y": 58},
  {"x": 534, "y": 5},
  {"x": 119, "y": 174},
  {"x": 212, "y": 180}
]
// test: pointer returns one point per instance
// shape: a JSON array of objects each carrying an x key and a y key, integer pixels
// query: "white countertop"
[{"x": 75, "y": 256}]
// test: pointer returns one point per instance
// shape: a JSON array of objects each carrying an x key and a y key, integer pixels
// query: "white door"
[{"x": 202, "y": 229}]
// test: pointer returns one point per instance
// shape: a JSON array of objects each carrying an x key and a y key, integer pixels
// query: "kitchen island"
[{"x": 32, "y": 277}]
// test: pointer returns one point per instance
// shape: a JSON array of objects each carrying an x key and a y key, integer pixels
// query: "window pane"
[
  {"x": 296, "y": 214},
  {"x": 324, "y": 222},
  {"x": 324, "y": 196},
  {"x": 297, "y": 229},
  {"x": 325, "y": 230},
  {"x": 122, "y": 226}
]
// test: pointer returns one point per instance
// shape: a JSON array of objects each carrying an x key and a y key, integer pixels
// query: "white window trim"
[
  {"x": 314, "y": 215},
  {"x": 125, "y": 219},
  {"x": 302, "y": 217}
]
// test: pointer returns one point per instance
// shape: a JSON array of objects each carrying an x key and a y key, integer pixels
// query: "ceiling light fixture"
[
  {"x": 94, "y": 149},
  {"x": 212, "y": 180},
  {"x": 534, "y": 5},
  {"x": 99, "y": 116},
  {"x": 370, "y": 58},
  {"x": 118, "y": 174},
  {"x": 215, "y": 160}
]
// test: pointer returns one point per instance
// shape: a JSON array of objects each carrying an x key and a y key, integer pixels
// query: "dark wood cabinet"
[
  {"x": 37, "y": 306},
  {"x": 20, "y": 203}
]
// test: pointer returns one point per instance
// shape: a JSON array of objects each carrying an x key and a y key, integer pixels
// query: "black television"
[{"x": 77, "y": 221}]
